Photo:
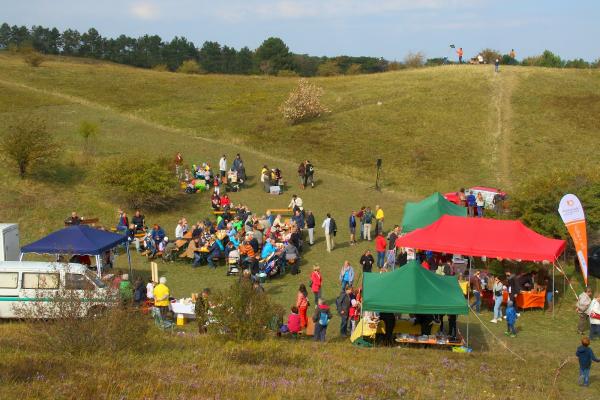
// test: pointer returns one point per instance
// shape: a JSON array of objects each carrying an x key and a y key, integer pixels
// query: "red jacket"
[
  {"x": 317, "y": 280},
  {"x": 380, "y": 244},
  {"x": 293, "y": 323}
]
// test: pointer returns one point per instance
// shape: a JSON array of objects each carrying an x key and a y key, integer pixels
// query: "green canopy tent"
[
  {"x": 412, "y": 289},
  {"x": 429, "y": 210}
]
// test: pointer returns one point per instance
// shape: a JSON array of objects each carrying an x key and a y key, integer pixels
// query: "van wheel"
[{"x": 96, "y": 311}]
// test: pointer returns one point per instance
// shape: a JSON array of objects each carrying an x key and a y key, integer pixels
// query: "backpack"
[
  {"x": 323, "y": 318},
  {"x": 332, "y": 227},
  {"x": 368, "y": 218}
]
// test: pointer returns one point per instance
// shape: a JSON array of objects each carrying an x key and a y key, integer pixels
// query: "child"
[
  {"x": 293, "y": 322},
  {"x": 511, "y": 319},
  {"x": 354, "y": 314},
  {"x": 586, "y": 356}
]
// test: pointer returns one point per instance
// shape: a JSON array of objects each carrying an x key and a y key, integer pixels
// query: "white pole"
[
  {"x": 98, "y": 266},
  {"x": 553, "y": 290}
]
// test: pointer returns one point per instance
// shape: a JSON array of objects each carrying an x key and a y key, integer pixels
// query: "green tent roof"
[
  {"x": 413, "y": 289},
  {"x": 427, "y": 211}
]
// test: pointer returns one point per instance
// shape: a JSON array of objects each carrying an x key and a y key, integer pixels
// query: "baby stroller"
[{"x": 233, "y": 263}]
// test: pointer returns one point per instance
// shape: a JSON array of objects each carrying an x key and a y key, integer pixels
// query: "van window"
[
  {"x": 40, "y": 281},
  {"x": 77, "y": 282},
  {"x": 9, "y": 280}
]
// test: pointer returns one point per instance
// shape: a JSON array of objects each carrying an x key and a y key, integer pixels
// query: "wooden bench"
[{"x": 276, "y": 211}]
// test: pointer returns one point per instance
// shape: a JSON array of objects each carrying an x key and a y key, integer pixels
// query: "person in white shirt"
[
  {"x": 150, "y": 290},
  {"x": 594, "y": 313},
  {"x": 583, "y": 304},
  {"x": 223, "y": 165},
  {"x": 329, "y": 235},
  {"x": 296, "y": 203},
  {"x": 179, "y": 230}
]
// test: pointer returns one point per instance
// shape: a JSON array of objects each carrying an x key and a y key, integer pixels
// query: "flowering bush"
[{"x": 303, "y": 103}]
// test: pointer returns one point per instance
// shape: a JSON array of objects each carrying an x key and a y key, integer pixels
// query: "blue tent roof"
[{"x": 78, "y": 239}]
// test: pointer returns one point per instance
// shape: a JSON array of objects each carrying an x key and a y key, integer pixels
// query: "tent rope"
[
  {"x": 562, "y": 271},
  {"x": 495, "y": 337}
]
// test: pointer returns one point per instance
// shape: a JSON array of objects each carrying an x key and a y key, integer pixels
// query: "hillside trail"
[
  {"x": 193, "y": 134},
  {"x": 503, "y": 85}
]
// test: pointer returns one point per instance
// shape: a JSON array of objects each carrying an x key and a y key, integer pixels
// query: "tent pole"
[
  {"x": 129, "y": 260},
  {"x": 98, "y": 267},
  {"x": 21, "y": 256},
  {"x": 469, "y": 298},
  {"x": 553, "y": 290}
]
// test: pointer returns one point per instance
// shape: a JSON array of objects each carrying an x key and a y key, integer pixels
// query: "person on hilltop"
[
  {"x": 315, "y": 283},
  {"x": 583, "y": 304},
  {"x": 302, "y": 174},
  {"x": 497, "y": 65},
  {"x": 321, "y": 318},
  {"x": 367, "y": 261},
  {"x": 585, "y": 356},
  {"x": 594, "y": 313},
  {"x": 460, "y": 53}
]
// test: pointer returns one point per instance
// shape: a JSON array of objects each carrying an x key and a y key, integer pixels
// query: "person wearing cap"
[{"x": 161, "y": 296}]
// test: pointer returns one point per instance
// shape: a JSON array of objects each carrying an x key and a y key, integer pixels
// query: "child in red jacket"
[
  {"x": 354, "y": 314},
  {"x": 293, "y": 322}
]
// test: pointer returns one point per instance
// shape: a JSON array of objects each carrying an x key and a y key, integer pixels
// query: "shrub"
[
  {"x": 546, "y": 59},
  {"x": 287, "y": 73},
  {"x": 88, "y": 131},
  {"x": 508, "y": 60},
  {"x": 414, "y": 60},
  {"x": 243, "y": 312},
  {"x": 161, "y": 68},
  {"x": 395, "y": 66},
  {"x": 328, "y": 68},
  {"x": 28, "y": 142},
  {"x": 536, "y": 201},
  {"x": 354, "y": 69},
  {"x": 190, "y": 67},
  {"x": 33, "y": 59},
  {"x": 490, "y": 55},
  {"x": 577, "y": 63},
  {"x": 303, "y": 103},
  {"x": 140, "y": 183},
  {"x": 433, "y": 62}
]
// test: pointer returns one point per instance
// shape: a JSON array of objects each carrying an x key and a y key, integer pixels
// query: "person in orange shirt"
[
  {"x": 302, "y": 304},
  {"x": 460, "y": 54}
]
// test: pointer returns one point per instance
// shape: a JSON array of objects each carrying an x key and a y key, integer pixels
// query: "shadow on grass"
[{"x": 67, "y": 174}]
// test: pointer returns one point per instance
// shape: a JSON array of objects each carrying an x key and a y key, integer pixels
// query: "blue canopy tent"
[{"x": 80, "y": 240}]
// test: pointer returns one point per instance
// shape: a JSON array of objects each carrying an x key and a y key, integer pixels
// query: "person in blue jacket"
[
  {"x": 511, "y": 319},
  {"x": 352, "y": 228},
  {"x": 585, "y": 356}
]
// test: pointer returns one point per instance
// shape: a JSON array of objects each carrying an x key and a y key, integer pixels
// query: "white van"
[{"x": 25, "y": 284}]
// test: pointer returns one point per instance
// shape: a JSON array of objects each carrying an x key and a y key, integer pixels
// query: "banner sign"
[{"x": 572, "y": 214}]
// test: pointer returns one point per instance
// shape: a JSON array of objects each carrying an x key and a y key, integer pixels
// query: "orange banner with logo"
[{"x": 572, "y": 214}]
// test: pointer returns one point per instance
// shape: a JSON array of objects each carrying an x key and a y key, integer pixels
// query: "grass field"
[{"x": 436, "y": 129}]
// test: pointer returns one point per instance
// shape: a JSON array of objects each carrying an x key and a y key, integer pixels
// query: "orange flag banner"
[{"x": 572, "y": 214}]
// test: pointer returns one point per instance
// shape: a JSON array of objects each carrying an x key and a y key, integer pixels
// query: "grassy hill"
[{"x": 436, "y": 129}]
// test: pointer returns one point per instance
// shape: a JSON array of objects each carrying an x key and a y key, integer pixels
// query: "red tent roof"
[{"x": 479, "y": 237}]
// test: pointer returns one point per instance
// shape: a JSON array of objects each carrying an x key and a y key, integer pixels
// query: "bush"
[
  {"x": 577, "y": 63},
  {"x": 508, "y": 60},
  {"x": 490, "y": 55},
  {"x": 243, "y": 312},
  {"x": 140, "y": 183},
  {"x": 88, "y": 131},
  {"x": 33, "y": 59},
  {"x": 160, "y": 68},
  {"x": 28, "y": 142},
  {"x": 434, "y": 62},
  {"x": 354, "y": 69},
  {"x": 287, "y": 73},
  {"x": 414, "y": 60},
  {"x": 546, "y": 59},
  {"x": 190, "y": 67},
  {"x": 395, "y": 66},
  {"x": 536, "y": 201},
  {"x": 328, "y": 68},
  {"x": 303, "y": 103}
]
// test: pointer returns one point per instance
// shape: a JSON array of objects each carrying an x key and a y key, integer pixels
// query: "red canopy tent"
[{"x": 483, "y": 237}]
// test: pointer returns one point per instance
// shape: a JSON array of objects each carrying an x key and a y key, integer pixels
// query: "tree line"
[{"x": 150, "y": 51}]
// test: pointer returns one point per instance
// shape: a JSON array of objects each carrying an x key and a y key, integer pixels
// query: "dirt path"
[
  {"x": 191, "y": 133},
  {"x": 503, "y": 85}
]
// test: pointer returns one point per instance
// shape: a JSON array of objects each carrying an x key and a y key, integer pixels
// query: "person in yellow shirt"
[
  {"x": 161, "y": 296},
  {"x": 379, "y": 220}
]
